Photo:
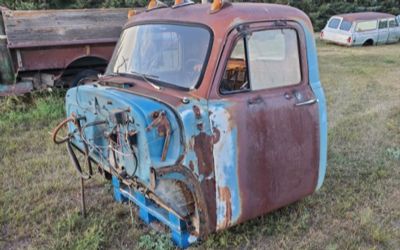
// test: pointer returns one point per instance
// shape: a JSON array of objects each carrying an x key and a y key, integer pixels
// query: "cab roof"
[
  {"x": 364, "y": 16},
  {"x": 229, "y": 16}
]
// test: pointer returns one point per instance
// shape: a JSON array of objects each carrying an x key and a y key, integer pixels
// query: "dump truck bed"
[{"x": 62, "y": 27}]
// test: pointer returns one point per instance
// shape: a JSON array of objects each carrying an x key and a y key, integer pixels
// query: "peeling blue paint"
[
  {"x": 191, "y": 131},
  {"x": 96, "y": 103},
  {"x": 316, "y": 86},
  {"x": 226, "y": 164}
]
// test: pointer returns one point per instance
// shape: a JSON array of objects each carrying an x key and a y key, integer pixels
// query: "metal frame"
[{"x": 149, "y": 212}]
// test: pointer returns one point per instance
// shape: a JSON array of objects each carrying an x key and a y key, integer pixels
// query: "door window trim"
[
  {"x": 235, "y": 35},
  {"x": 383, "y": 21},
  {"x": 393, "y": 20}
]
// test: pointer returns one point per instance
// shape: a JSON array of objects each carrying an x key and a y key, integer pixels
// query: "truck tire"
[{"x": 86, "y": 74}]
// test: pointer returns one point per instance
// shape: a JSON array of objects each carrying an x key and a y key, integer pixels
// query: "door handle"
[
  {"x": 308, "y": 102},
  {"x": 255, "y": 100}
]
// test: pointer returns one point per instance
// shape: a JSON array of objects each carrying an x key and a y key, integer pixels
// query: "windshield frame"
[{"x": 160, "y": 82}]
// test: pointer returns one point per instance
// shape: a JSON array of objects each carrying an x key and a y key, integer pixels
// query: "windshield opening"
[{"x": 163, "y": 53}]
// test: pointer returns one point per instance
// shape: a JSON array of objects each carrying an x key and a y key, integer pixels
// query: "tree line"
[{"x": 318, "y": 10}]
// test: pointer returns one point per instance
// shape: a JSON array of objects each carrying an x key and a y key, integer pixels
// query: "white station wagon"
[{"x": 362, "y": 29}]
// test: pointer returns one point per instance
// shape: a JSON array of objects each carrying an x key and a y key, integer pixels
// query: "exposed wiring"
[{"x": 121, "y": 146}]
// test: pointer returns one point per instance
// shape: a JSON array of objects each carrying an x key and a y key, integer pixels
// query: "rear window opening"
[{"x": 334, "y": 23}]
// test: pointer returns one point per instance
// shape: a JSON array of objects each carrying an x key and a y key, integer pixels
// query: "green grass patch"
[{"x": 33, "y": 110}]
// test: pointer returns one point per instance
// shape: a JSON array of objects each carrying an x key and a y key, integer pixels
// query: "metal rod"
[{"x": 83, "y": 202}]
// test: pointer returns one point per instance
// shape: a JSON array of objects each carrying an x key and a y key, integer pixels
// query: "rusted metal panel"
[
  {"x": 59, "y": 57},
  {"x": 51, "y": 40},
  {"x": 39, "y": 28},
  {"x": 275, "y": 157}
]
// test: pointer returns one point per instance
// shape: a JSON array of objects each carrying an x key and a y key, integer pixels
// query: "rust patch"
[
  {"x": 160, "y": 121},
  {"x": 216, "y": 135},
  {"x": 197, "y": 112},
  {"x": 225, "y": 196},
  {"x": 200, "y": 126},
  {"x": 203, "y": 147},
  {"x": 191, "y": 165},
  {"x": 153, "y": 179},
  {"x": 208, "y": 188}
]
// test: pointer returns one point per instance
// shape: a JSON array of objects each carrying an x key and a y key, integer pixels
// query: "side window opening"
[
  {"x": 264, "y": 60},
  {"x": 393, "y": 23},
  {"x": 236, "y": 76},
  {"x": 366, "y": 26},
  {"x": 346, "y": 25},
  {"x": 383, "y": 24},
  {"x": 274, "y": 59}
]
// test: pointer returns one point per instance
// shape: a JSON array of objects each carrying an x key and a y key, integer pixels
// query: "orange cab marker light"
[
  {"x": 217, "y": 5},
  {"x": 131, "y": 13},
  {"x": 155, "y": 4},
  {"x": 181, "y": 3}
]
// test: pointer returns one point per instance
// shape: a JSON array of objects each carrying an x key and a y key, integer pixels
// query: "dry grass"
[{"x": 357, "y": 208}]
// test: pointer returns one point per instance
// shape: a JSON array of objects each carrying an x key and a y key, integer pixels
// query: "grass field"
[{"x": 357, "y": 208}]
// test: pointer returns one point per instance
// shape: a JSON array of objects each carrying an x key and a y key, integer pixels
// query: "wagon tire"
[
  {"x": 369, "y": 42},
  {"x": 81, "y": 77}
]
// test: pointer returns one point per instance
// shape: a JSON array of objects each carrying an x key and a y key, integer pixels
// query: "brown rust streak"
[
  {"x": 160, "y": 121},
  {"x": 197, "y": 112},
  {"x": 191, "y": 165},
  {"x": 225, "y": 196},
  {"x": 216, "y": 135},
  {"x": 203, "y": 147}
]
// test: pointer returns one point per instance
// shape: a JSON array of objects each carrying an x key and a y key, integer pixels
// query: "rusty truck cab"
[{"x": 215, "y": 116}]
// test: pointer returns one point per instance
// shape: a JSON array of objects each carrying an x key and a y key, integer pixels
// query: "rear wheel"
[
  {"x": 83, "y": 76},
  {"x": 369, "y": 42}
]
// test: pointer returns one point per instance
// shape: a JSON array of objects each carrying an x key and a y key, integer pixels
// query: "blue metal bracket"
[
  {"x": 149, "y": 212},
  {"x": 117, "y": 193}
]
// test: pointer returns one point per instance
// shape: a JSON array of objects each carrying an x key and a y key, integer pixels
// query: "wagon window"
[
  {"x": 366, "y": 26},
  {"x": 273, "y": 57},
  {"x": 334, "y": 23},
  {"x": 346, "y": 25},
  {"x": 393, "y": 23},
  {"x": 383, "y": 24}
]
